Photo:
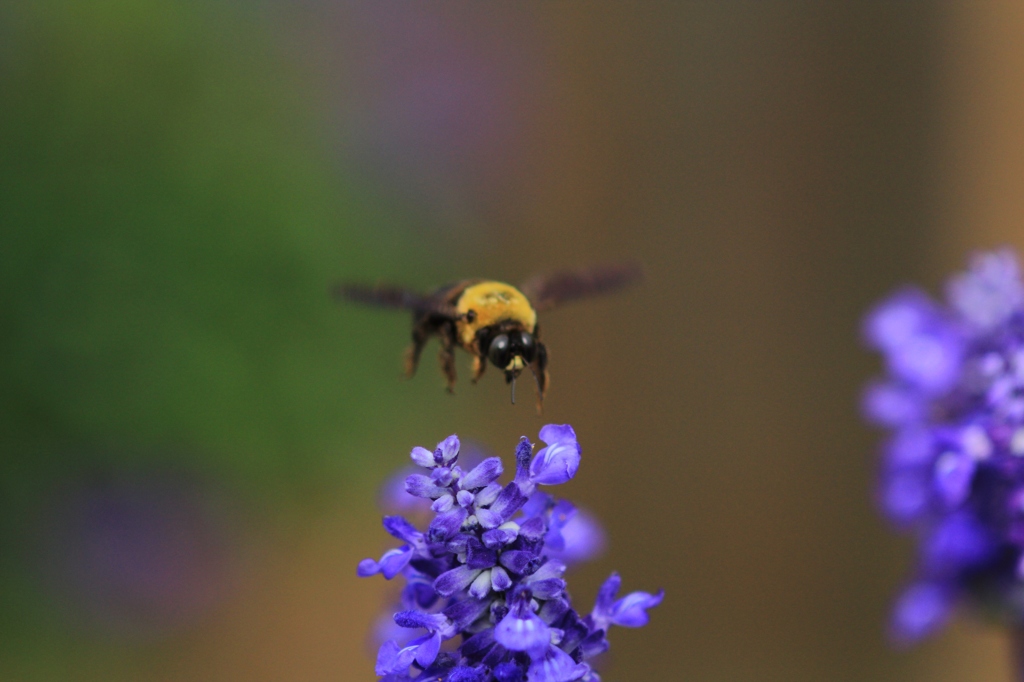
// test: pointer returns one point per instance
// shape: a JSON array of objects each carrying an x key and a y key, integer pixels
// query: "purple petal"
[
  {"x": 921, "y": 610},
  {"x": 393, "y": 561},
  {"x": 508, "y": 672},
  {"x": 482, "y": 474},
  {"x": 479, "y": 556},
  {"x": 631, "y": 610},
  {"x": 557, "y": 433},
  {"x": 509, "y": 500},
  {"x": 921, "y": 347},
  {"x": 990, "y": 292},
  {"x": 481, "y": 586},
  {"x": 551, "y": 569},
  {"x": 390, "y": 564},
  {"x": 606, "y": 596},
  {"x": 582, "y": 539},
  {"x": 421, "y": 485},
  {"x": 447, "y": 451},
  {"x": 419, "y": 594},
  {"x": 387, "y": 658},
  {"x": 478, "y": 643},
  {"x": 455, "y": 580},
  {"x": 904, "y": 495},
  {"x": 446, "y": 525},
  {"x": 422, "y": 457},
  {"x": 443, "y": 504},
  {"x": 954, "y": 472},
  {"x": 398, "y": 527},
  {"x": 522, "y": 630},
  {"x": 593, "y": 644},
  {"x": 517, "y": 560},
  {"x": 537, "y": 504},
  {"x": 547, "y": 589},
  {"x": 466, "y": 612},
  {"x": 394, "y": 661},
  {"x": 896, "y": 320},
  {"x": 554, "y": 665},
  {"x": 459, "y": 543},
  {"x": 488, "y": 495},
  {"x": 464, "y": 673},
  {"x": 932, "y": 361},
  {"x": 367, "y": 567},
  {"x": 913, "y": 445},
  {"x": 553, "y": 609},
  {"x": 489, "y": 519},
  {"x": 500, "y": 581},
  {"x": 499, "y": 536},
  {"x": 427, "y": 651},
  {"x": 442, "y": 476},
  {"x": 888, "y": 404},
  {"x": 465, "y": 498},
  {"x": 958, "y": 542},
  {"x": 555, "y": 464},
  {"x": 533, "y": 528}
]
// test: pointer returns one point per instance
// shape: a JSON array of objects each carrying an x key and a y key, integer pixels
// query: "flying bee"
[{"x": 492, "y": 321}]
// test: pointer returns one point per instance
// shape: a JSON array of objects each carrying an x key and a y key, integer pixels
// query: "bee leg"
[
  {"x": 539, "y": 368},
  {"x": 447, "y": 357},
  {"x": 420, "y": 334},
  {"x": 479, "y": 365}
]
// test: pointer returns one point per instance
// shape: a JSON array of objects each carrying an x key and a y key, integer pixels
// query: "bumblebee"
[{"x": 490, "y": 320}]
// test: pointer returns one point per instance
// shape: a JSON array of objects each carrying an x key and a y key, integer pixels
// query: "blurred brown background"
[{"x": 777, "y": 167}]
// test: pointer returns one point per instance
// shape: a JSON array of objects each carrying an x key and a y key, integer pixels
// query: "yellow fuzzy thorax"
[{"x": 493, "y": 302}]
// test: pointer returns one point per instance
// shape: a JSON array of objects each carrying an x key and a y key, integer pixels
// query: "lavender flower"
[
  {"x": 953, "y": 468},
  {"x": 489, "y": 569}
]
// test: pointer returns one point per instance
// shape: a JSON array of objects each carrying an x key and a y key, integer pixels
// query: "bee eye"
[
  {"x": 500, "y": 352},
  {"x": 527, "y": 348},
  {"x": 471, "y": 316}
]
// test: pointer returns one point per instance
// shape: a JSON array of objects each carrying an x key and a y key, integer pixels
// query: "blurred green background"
[{"x": 192, "y": 433}]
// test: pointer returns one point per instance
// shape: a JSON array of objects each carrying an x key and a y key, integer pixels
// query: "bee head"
[{"x": 512, "y": 350}]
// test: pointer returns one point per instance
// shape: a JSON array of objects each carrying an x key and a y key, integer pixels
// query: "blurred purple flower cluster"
[
  {"x": 489, "y": 570},
  {"x": 953, "y": 468}
]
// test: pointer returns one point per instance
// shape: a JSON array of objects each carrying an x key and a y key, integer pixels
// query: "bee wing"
[
  {"x": 391, "y": 296},
  {"x": 548, "y": 290}
]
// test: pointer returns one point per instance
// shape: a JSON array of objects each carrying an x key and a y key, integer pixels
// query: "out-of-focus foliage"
[
  {"x": 171, "y": 221},
  {"x": 170, "y": 228}
]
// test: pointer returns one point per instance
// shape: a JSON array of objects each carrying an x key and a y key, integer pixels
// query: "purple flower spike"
[
  {"x": 557, "y": 463},
  {"x": 952, "y": 472},
  {"x": 490, "y": 569}
]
